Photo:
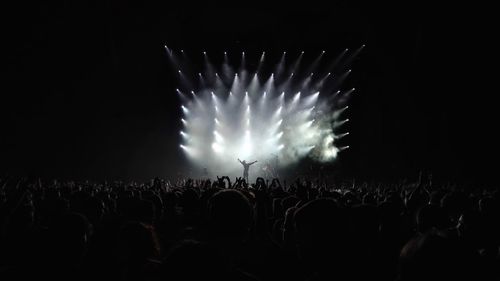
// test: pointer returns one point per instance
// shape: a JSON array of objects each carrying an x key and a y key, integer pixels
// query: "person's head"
[
  {"x": 429, "y": 216},
  {"x": 434, "y": 256},
  {"x": 230, "y": 214},
  {"x": 70, "y": 234},
  {"x": 137, "y": 242},
  {"x": 244, "y": 161},
  {"x": 321, "y": 231}
]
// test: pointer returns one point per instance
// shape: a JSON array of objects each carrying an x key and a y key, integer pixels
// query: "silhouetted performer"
[{"x": 246, "y": 167}]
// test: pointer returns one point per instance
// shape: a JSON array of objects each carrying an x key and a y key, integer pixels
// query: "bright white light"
[
  {"x": 218, "y": 137},
  {"x": 276, "y": 119},
  {"x": 217, "y": 148},
  {"x": 296, "y": 97}
]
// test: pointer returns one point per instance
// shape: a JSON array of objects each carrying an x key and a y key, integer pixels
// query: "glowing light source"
[{"x": 276, "y": 119}]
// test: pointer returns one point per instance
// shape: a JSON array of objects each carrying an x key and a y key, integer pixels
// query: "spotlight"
[
  {"x": 225, "y": 53},
  {"x": 179, "y": 71},
  {"x": 199, "y": 74},
  {"x": 311, "y": 74},
  {"x": 323, "y": 52},
  {"x": 349, "y": 70},
  {"x": 216, "y": 74},
  {"x": 183, "y": 121},
  {"x": 328, "y": 74},
  {"x": 291, "y": 74},
  {"x": 281, "y": 146},
  {"x": 302, "y": 52},
  {"x": 243, "y": 53},
  {"x": 177, "y": 90},
  {"x": 182, "y": 51},
  {"x": 217, "y": 148},
  {"x": 205, "y": 53},
  {"x": 279, "y": 110},
  {"x": 192, "y": 92},
  {"x": 184, "y": 109}
]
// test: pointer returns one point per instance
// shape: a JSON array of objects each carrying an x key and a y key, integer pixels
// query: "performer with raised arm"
[{"x": 246, "y": 167}]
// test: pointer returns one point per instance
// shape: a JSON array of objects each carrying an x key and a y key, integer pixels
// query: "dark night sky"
[{"x": 89, "y": 92}]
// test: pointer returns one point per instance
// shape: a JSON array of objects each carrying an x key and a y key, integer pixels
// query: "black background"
[{"x": 89, "y": 94}]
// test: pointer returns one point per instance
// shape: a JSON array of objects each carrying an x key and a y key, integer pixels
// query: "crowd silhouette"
[{"x": 231, "y": 230}]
